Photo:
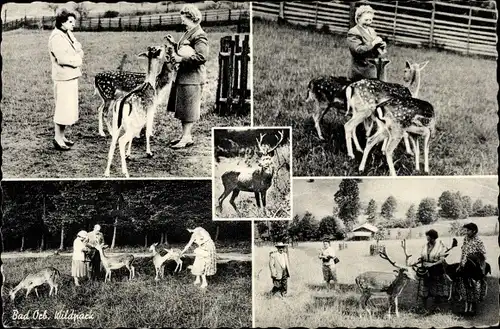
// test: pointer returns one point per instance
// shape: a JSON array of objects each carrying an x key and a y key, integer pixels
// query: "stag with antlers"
[{"x": 256, "y": 180}]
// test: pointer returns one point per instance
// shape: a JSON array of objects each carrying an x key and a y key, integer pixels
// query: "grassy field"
[
  {"x": 278, "y": 195},
  {"x": 462, "y": 90},
  {"x": 309, "y": 304},
  {"x": 27, "y": 107},
  {"x": 142, "y": 302}
]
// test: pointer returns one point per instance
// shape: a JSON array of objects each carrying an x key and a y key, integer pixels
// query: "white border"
[{"x": 243, "y": 128}]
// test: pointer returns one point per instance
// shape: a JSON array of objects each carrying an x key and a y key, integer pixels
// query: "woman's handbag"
[{"x": 336, "y": 260}]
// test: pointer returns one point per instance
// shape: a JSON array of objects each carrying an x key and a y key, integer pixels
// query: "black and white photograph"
[
  {"x": 355, "y": 79},
  {"x": 371, "y": 252},
  {"x": 107, "y": 254},
  {"x": 96, "y": 89},
  {"x": 252, "y": 173}
]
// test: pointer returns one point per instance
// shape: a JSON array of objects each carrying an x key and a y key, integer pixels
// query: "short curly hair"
[
  {"x": 62, "y": 16},
  {"x": 433, "y": 234},
  {"x": 364, "y": 9},
  {"x": 192, "y": 12}
]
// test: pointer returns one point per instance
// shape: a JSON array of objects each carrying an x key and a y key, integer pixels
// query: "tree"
[
  {"x": 411, "y": 216},
  {"x": 347, "y": 199},
  {"x": 81, "y": 9},
  {"x": 262, "y": 228},
  {"x": 454, "y": 229},
  {"x": 467, "y": 206},
  {"x": 279, "y": 230},
  {"x": 388, "y": 208},
  {"x": 53, "y": 7},
  {"x": 308, "y": 227},
  {"x": 427, "y": 211},
  {"x": 294, "y": 228},
  {"x": 490, "y": 210},
  {"x": 477, "y": 208},
  {"x": 451, "y": 205},
  {"x": 332, "y": 226},
  {"x": 371, "y": 211}
]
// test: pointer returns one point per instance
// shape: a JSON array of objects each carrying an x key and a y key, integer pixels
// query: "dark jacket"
[
  {"x": 192, "y": 70},
  {"x": 360, "y": 46}
]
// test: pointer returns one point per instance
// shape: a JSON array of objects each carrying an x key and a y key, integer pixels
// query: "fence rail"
[
  {"x": 241, "y": 17},
  {"x": 464, "y": 29}
]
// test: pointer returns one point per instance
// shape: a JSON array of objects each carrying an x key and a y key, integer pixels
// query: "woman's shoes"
[
  {"x": 69, "y": 143},
  {"x": 181, "y": 145},
  {"x": 60, "y": 147}
]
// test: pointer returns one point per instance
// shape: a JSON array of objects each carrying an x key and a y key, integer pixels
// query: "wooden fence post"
[
  {"x": 99, "y": 23},
  {"x": 468, "y": 29},
  {"x": 282, "y": 11},
  {"x": 433, "y": 15},
  {"x": 352, "y": 14},
  {"x": 316, "y": 14},
  {"x": 395, "y": 22},
  {"x": 244, "y": 106},
  {"x": 224, "y": 86},
  {"x": 120, "y": 24}
]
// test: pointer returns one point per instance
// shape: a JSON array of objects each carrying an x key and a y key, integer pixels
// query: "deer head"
[
  {"x": 159, "y": 59},
  {"x": 153, "y": 246},
  {"x": 266, "y": 151},
  {"x": 402, "y": 270}
]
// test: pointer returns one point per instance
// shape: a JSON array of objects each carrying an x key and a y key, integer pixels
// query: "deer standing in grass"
[
  {"x": 137, "y": 108},
  {"x": 49, "y": 275},
  {"x": 115, "y": 262},
  {"x": 256, "y": 180},
  {"x": 385, "y": 283},
  {"x": 159, "y": 260},
  {"x": 363, "y": 97}
]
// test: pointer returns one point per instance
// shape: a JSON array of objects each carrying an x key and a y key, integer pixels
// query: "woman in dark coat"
[
  {"x": 364, "y": 44},
  {"x": 185, "y": 99}
]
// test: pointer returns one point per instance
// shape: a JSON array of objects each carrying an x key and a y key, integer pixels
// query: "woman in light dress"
[
  {"x": 205, "y": 262},
  {"x": 79, "y": 267},
  {"x": 66, "y": 55}
]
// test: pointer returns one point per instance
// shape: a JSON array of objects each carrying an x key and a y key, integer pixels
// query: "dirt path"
[{"x": 221, "y": 257}]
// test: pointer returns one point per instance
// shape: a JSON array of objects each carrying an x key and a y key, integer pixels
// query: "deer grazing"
[
  {"x": 115, "y": 262},
  {"x": 49, "y": 275},
  {"x": 385, "y": 282},
  {"x": 363, "y": 97},
  {"x": 256, "y": 180},
  {"x": 137, "y": 108},
  {"x": 159, "y": 260}
]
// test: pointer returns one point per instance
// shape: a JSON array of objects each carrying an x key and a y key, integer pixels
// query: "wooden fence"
[
  {"x": 155, "y": 22},
  {"x": 464, "y": 29},
  {"x": 233, "y": 90}
]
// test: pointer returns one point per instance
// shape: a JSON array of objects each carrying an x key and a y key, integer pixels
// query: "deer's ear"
[
  {"x": 271, "y": 153},
  {"x": 190, "y": 230},
  {"x": 424, "y": 64},
  {"x": 408, "y": 65}
]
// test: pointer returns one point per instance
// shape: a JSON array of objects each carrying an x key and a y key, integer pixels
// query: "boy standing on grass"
[{"x": 279, "y": 266}]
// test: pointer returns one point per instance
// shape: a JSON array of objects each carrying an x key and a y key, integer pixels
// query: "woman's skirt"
[
  {"x": 329, "y": 273},
  {"x": 79, "y": 269},
  {"x": 433, "y": 286},
  {"x": 471, "y": 290},
  {"x": 66, "y": 98},
  {"x": 206, "y": 265},
  {"x": 185, "y": 101}
]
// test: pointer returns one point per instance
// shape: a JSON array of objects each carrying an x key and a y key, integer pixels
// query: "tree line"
[
  {"x": 348, "y": 207},
  {"x": 49, "y": 214}
]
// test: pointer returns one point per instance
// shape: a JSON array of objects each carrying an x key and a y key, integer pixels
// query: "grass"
[
  {"x": 27, "y": 107},
  {"x": 462, "y": 90},
  {"x": 309, "y": 304},
  {"x": 142, "y": 302},
  {"x": 278, "y": 203}
]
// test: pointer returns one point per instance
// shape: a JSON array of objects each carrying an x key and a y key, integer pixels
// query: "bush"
[{"x": 111, "y": 14}]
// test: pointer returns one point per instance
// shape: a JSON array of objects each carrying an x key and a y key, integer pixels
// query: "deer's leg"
[
  {"x": 224, "y": 195},
  {"x": 257, "y": 198},
  {"x": 427, "y": 137},
  {"x": 408, "y": 138},
  {"x": 51, "y": 288},
  {"x": 233, "y": 197},
  {"x": 149, "y": 131},
  {"x": 350, "y": 130},
  {"x": 264, "y": 201},
  {"x": 319, "y": 113},
  {"x": 126, "y": 138},
  {"x": 380, "y": 135},
  {"x": 396, "y": 307},
  {"x": 111, "y": 152},
  {"x": 396, "y": 135},
  {"x": 100, "y": 111},
  {"x": 36, "y": 292}
]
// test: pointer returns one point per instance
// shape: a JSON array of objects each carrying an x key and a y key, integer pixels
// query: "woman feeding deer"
[
  {"x": 192, "y": 52},
  {"x": 364, "y": 44},
  {"x": 205, "y": 261},
  {"x": 66, "y": 55}
]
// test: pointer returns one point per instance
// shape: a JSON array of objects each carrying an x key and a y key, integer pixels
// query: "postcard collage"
[{"x": 250, "y": 164}]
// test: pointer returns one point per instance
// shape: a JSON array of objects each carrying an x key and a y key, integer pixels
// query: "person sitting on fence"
[
  {"x": 328, "y": 258},
  {"x": 279, "y": 266},
  {"x": 66, "y": 55},
  {"x": 94, "y": 238},
  {"x": 433, "y": 281},
  {"x": 364, "y": 44},
  {"x": 187, "y": 90},
  {"x": 473, "y": 250}
]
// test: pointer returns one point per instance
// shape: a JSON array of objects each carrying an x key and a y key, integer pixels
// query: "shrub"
[{"x": 111, "y": 14}]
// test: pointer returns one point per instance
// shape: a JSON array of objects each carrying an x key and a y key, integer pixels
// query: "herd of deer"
[
  {"x": 396, "y": 110},
  {"x": 51, "y": 275}
]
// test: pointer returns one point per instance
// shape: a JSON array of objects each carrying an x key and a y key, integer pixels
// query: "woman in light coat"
[
  {"x": 205, "y": 261},
  {"x": 66, "y": 55},
  {"x": 79, "y": 266}
]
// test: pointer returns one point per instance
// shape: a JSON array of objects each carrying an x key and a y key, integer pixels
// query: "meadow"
[
  {"x": 462, "y": 90},
  {"x": 278, "y": 196},
  {"x": 310, "y": 304},
  {"x": 27, "y": 107},
  {"x": 142, "y": 302}
]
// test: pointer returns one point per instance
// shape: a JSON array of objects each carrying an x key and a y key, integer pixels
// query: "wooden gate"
[{"x": 233, "y": 92}]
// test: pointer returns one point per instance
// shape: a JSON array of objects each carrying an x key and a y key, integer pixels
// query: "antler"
[
  {"x": 259, "y": 142},
  {"x": 403, "y": 245},
  {"x": 280, "y": 139},
  {"x": 383, "y": 255}
]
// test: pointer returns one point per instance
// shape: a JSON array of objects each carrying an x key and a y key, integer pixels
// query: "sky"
[{"x": 317, "y": 197}]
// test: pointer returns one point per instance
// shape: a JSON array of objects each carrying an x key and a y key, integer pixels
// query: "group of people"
[
  {"x": 86, "y": 260},
  {"x": 434, "y": 280},
  {"x": 67, "y": 59}
]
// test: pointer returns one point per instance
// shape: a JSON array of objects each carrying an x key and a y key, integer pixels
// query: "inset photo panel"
[
  {"x": 252, "y": 173},
  {"x": 381, "y": 252},
  {"x": 133, "y": 254}
]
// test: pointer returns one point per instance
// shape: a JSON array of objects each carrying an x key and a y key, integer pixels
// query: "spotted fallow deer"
[
  {"x": 115, "y": 262},
  {"x": 385, "y": 283},
  {"x": 137, "y": 108},
  {"x": 159, "y": 260},
  {"x": 49, "y": 275},
  {"x": 363, "y": 97},
  {"x": 256, "y": 180}
]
